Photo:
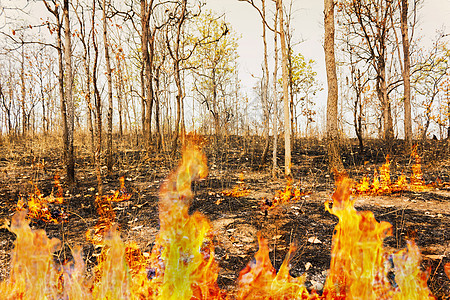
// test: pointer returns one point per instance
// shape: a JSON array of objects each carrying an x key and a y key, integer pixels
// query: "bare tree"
[
  {"x": 109, "y": 158},
  {"x": 285, "y": 83},
  {"x": 334, "y": 157},
  {"x": 65, "y": 78},
  {"x": 265, "y": 92},
  {"x": 275, "y": 99},
  {"x": 406, "y": 73}
]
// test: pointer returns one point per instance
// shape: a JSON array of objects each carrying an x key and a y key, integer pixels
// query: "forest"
[{"x": 138, "y": 161}]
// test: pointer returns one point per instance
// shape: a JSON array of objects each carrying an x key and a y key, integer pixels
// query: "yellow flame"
[
  {"x": 182, "y": 265},
  {"x": 182, "y": 259},
  {"x": 239, "y": 190},
  {"x": 37, "y": 204},
  {"x": 259, "y": 279}
]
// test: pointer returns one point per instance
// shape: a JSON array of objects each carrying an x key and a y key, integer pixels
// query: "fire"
[
  {"x": 417, "y": 182},
  {"x": 106, "y": 213},
  {"x": 382, "y": 184},
  {"x": 447, "y": 270},
  {"x": 259, "y": 279},
  {"x": 31, "y": 275},
  {"x": 37, "y": 204},
  {"x": 182, "y": 266},
  {"x": 239, "y": 190},
  {"x": 359, "y": 263},
  {"x": 291, "y": 193}
]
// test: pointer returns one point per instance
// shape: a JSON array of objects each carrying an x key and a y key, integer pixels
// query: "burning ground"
[{"x": 234, "y": 219}]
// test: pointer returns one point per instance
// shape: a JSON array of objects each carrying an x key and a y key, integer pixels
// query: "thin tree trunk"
[
  {"x": 109, "y": 158},
  {"x": 120, "y": 94},
  {"x": 98, "y": 109},
  {"x": 334, "y": 157},
  {"x": 265, "y": 92},
  {"x": 23, "y": 90},
  {"x": 176, "y": 68},
  {"x": 406, "y": 73},
  {"x": 70, "y": 164},
  {"x": 275, "y": 100},
  {"x": 147, "y": 58},
  {"x": 285, "y": 80}
]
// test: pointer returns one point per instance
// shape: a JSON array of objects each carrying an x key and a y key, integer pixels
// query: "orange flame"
[
  {"x": 417, "y": 182},
  {"x": 37, "y": 204},
  {"x": 239, "y": 190},
  {"x": 106, "y": 213},
  {"x": 182, "y": 265},
  {"x": 359, "y": 262},
  {"x": 259, "y": 279},
  {"x": 291, "y": 193},
  {"x": 447, "y": 269},
  {"x": 382, "y": 185},
  {"x": 32, "y": 275}
]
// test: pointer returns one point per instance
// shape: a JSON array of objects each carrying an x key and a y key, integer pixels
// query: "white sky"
[{"x": 308, "y": 26}]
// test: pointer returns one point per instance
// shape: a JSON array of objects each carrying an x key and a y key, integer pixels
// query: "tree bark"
[
  {"x": 177, "y": 72},
  {"x": 109, "y": 158},
  {"x": 147, "y": 59},
  {"x": 23, "y": 92},
  {"x": 275, "y": 100},
  {"x": 265, "y": 92},
  {"x": 334, "y": 157},
  {"x": 406, "y": 74},
  {"x": 98, "y": 109},
  {"x": 285, "y": 82},
  {"x": 70, "y": 163}
]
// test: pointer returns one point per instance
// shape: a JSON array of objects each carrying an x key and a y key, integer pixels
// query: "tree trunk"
[
  {"x": 275, "y": 100},
  {"x": 109, "y": 158},
  {"x": 388, "y": 131},
  {"x": 334, "y": 156},
  {"x": 157, "y": 110},
  {"x": 120, "y": 94},
  {"x": 285, "y": 80},
  {"x": 70, "y": 163},
  {"x": 265, "y": 92},
  {"x": 177, "y": 73},
  {"x": 147, "y": 59},
  {"x": 23, "y": 90},
  {"x": 98, "y": 109},
  {"x": 88, "y": 99},
  {"x": 61, "y": 86},
  {"x": 406, "y": 73}
]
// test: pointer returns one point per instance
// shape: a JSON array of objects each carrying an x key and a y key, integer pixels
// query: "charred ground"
[{"x": 424, "y": 216}]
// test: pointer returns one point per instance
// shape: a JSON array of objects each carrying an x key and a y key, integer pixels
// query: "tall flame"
[
  {"x": 360, "y": 265},
  {"x": 182, "y": 265},
  {"x": 182, "y": 261}
]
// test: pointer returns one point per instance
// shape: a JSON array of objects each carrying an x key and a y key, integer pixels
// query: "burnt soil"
[{"x": 237, "y": 220}]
